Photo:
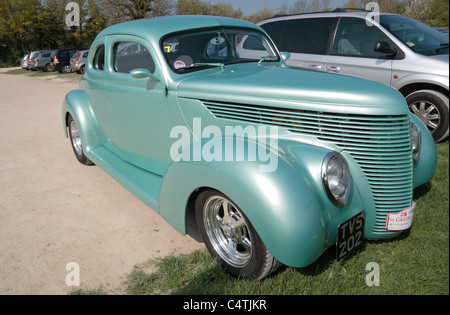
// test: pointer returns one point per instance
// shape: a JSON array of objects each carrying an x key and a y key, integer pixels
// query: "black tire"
[
  {"x": 75, "y": 141},
  {"x": 83, "y": 69},
  {"x": 47, "y": 68},
  {"x": 66, "y": 69},
  {"x": 431, "y": 107},
  {"x": 234, "y": 244}
]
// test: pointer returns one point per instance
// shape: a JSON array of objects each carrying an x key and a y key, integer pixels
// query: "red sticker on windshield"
[{"x": 179, "y": 64}]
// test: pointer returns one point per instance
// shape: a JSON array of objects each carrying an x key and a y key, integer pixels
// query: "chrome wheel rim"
[
  {"x": 227, "y": 231},
  {"x": 428, "y": 113},
  {"x": 76, "y": 139}
]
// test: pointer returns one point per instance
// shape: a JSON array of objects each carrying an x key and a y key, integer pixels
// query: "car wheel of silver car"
[
  {"x": 47, "y": 68},
  {"x": 83, "y": 69},
  {"x": 75, "y": 140},
  {"x": 431, "y": 107},
  {"x": 231, "y": 239}
]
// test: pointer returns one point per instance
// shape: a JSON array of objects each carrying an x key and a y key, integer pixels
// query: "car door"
[
  {"x": 306, "y": 39},
  {"x": 137, "y": 107},
  {"x": 353, "y": 51}
]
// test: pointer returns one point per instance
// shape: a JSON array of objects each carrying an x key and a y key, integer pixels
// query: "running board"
[{"x": 141, "y": 183}]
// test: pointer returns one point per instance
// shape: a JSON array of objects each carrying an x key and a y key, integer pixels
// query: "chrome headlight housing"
[
  {"x": 336, "y": 178},
  {"x": 416, "y": 136}
]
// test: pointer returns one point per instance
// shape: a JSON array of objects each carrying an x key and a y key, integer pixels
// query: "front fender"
[
  {"x": 287, "y": 207},
  {"x": 79, "y": 106},
  {"x": 420, "y": 79},
  {"x": 424, "y": 169}
]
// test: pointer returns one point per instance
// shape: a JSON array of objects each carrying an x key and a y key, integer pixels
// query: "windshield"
[
  {"x": 419, "y": 37},
  {"x": 217, "y": 47}
]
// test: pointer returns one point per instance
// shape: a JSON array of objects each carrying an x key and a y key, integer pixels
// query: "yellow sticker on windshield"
[{"x": 410, "y": 44}]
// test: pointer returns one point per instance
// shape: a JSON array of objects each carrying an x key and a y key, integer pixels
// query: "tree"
[
  {"x": 418, "y": 9},
  {"x": 25, "y": 25},
  {"x": 438, "y": 14}
]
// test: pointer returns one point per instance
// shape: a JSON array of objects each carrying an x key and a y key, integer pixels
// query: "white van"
[{"x": 392, "y": 49}]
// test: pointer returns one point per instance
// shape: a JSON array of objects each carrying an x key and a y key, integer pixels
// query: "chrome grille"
[{"x": 381, "y": 145}]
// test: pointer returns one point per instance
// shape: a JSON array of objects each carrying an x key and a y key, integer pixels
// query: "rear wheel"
[
  {"x": 431, "y": 107},
  {"x": 231, "y": 239},
  {"x": 66, "y": 69},
  {"x": 75, "y": 140}
]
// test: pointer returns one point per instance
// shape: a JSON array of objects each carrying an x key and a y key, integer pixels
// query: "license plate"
[{"x": 350, "y": 235}]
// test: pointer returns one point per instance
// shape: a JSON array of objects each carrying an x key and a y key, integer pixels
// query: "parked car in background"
[
  {"x": 60, "y": 59},
  {"x": 31, "y": 56},
  {"x": 443, "y": 30},
  {"x": 41, "y": 61},
  {"x": 178, "y": 119},
  {"x": 78, "y": 61},
  {"x": 24, "y": 62},
  {"x": 392, "y": 49}
]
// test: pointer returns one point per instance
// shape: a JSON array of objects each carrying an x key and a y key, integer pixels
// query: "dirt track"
[{"x": 54, "y": 211}]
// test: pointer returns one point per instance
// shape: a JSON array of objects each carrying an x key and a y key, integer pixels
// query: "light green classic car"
[{"x": 200, "y": 118}]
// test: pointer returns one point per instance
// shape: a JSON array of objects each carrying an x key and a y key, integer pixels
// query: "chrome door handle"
[
  {"x": 315, "y": 67},
  {"x": 333, "y": 69}
]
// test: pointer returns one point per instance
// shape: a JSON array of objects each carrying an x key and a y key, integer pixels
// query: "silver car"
[
  {"x": 78, "y": 61},
  {"x": 391, "y": 49},
  {"x": 42, "y": 61},
  {"x": 24, "y": 63}
]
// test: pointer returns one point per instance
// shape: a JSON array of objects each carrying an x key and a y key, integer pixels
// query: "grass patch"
[{"x": 415, "y": 263}]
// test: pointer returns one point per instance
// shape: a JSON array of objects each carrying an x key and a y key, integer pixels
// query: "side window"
[
  {"x": 355, "y": 38},
  {"x": 306, "y": 36},
  {"x": 275, "y": 30},
  {"x": 130, "y": 55},
  {"x": 99, "y": 58}
]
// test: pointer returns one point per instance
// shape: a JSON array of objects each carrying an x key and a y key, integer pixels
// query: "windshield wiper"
[
  {"x": 443, "y": 46},
  {"x": 207, "y": 64}
]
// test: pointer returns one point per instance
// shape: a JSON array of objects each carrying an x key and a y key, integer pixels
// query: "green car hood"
[{"x": 279, "y": 85}]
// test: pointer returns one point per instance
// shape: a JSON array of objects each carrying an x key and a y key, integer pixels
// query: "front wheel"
[
  {"x": 75, "y": 140},
  {"x": 231, "y": 239},
  {"x": 431, "y": 107}
]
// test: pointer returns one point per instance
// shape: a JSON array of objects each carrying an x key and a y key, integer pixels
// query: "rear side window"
[
  {"x": 99, "y": 58},
  {"x": 306, "y": 36},
  {"x": 130, "y": 55}
]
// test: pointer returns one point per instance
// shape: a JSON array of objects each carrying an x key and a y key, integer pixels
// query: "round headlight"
[
  {"x": 416, "y": 136},
  {"x": 336, "y": 178}
]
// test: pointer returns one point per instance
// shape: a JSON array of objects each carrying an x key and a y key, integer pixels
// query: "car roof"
[
  {"x": 155, "y": 28},
  {"x": 348, "y": 12}
]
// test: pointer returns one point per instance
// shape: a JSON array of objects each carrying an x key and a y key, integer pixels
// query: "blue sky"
[{"x": 251, "y": 6}]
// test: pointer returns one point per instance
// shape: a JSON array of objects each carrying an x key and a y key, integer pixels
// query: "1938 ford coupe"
[{"x": 201, "y": 119}]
